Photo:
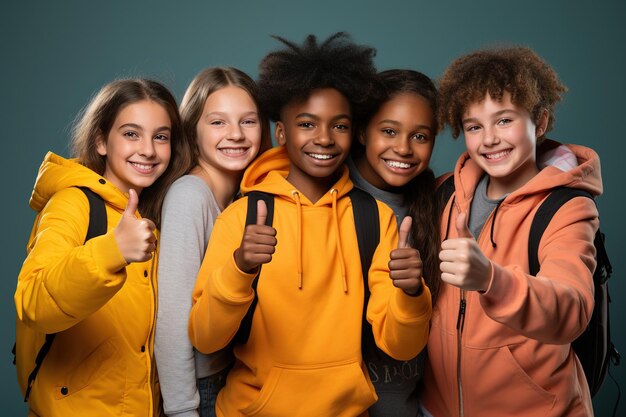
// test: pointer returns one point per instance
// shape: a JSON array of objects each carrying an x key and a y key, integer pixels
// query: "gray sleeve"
[{"x": 189, "y": 211}]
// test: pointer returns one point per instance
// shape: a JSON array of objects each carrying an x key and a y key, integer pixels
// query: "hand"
[
  {"x": 135, "y": 237},
  {"x": 258, "y": 242},
  {"x": 462, "y": 262},
  {"x": 405, "y": 266}
]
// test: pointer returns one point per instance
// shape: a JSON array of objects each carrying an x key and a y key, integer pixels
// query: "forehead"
[
  {"x": 488, "y": 105},
  {"x": 323, "y": 102}
]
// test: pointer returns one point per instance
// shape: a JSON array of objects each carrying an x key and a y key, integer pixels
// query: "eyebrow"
[
  {"x": 221, "y": 113},
  {"x": 396, "y": 123},
  {"x": 139, "y": 127},
  {"x": 313, "y": 116},
  {"x": 496, "y": 114}
]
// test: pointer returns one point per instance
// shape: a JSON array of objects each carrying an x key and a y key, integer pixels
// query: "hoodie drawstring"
[
  {"x": 296, "y": 197},
  {"x": 493, "y": 224},
  {"x": 334, "y": 193}
]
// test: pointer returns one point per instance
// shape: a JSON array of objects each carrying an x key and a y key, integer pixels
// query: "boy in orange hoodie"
[
  {"x": 500, "y": 339},
  {"x": 303, "y": 356}
]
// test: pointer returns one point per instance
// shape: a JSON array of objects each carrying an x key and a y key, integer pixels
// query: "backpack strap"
[
  {"x": 243, "y": 333},
  {"x": 546, "y": 211},
  {"x": 445, "y": 191},
  {"x": 97, "y": 227},
  {"x": 367, "y": 226}
]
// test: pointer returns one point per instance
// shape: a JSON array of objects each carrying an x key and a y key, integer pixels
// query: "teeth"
[
  {"x": 497, "y": 155},
  {"x": 321, "y": 156},
  {"x": 233, "y": 151},
  {"x": 142, "y": 166},
  {"x": 397, "y": 164}
]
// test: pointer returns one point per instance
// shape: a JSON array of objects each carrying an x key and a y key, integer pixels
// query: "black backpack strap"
[
  {"x": 445, "y": 191},
  {"x": 546, "y": 211},
  {"x": 97, "y": 227},
  {"x": 243, "y": 333},
  {"x": 367, "y": 225}
]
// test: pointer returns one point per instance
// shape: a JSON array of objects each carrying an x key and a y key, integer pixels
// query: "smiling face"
[
  {"x": 398, "y": 142},
  {"x": 229, "y": 131},
  {"x": 317, "y": 134},
  {"x": 137, "y": 147},
  {"x": 501, "y": 138}
]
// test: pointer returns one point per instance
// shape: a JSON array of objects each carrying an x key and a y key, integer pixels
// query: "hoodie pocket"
[{"x": 337, "y": 389}]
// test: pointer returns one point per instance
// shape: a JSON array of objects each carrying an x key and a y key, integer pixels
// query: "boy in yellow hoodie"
[{"x": 303, "y": 356}]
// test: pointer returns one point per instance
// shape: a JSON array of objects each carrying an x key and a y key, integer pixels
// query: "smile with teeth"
[
  {"x": 397, "y": 164},
  {"x": 233, "y": 151},
  {"x": 497, "y": 155},
  {"x": 143, "y": 167},
  {"x": 321, "y": 156}
]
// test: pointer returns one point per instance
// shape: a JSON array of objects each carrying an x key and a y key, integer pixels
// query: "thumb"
[
  {"x": 461, "y": 226},
  {"x": 261, "y": 212},
  {"x": 403, "y": 233},
  {"x": 133, "y": 201}
]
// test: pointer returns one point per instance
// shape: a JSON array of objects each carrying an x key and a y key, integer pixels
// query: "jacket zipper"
[{"x": 460, "y": 322}]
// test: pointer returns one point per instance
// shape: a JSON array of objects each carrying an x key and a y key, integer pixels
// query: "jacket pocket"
[
  {"x": 336, "y": 389},
  {"x": 95, "y": 366}
]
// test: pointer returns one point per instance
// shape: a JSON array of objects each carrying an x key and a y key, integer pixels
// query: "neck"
[
  {"x": 313, "y": 190},
  {"x": 223, "y": 185}
]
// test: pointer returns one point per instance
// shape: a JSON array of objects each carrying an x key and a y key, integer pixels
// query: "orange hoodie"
[
  {"x": 303, "y": 357},
  {"x": 510, "y": 354}
]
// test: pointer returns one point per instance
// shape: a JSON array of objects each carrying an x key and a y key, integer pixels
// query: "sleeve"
[
  {"x": 187, "y": 219},
  {"x": 400, "y": 322},
  {"x": 222, "y": 293},
  {"x": 556, "y": 305},
  {"x": 63, "y": 279}
]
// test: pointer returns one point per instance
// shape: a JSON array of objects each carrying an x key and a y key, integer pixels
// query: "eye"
[
  {"x": 161, "y": 138},
  {"x": 249, "y": 122},
  {"x": 306, "y": 125},
  {"x": 504, "y": 121},
  {"x": 420, "y": 137},
  {"x": 471, "y": 128},
  {"x": 342, "y": 126},
  {"x": 388, "y": 131},
  {"x": 217, "y": 123},
  {"x": 131, "y": 134}
]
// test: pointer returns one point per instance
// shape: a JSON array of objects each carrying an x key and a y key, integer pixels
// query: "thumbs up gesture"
[
  {"x": 405, "y": 266},
  {"x": 257, "y": 244},
  {"x": 135, "y": 237},
  {"x": 463, "y": 264}
]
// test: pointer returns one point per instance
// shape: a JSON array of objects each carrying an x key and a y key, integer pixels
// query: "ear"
[
  {"x": 279, "y": 133},
  {"x": 542, "y": 123},
  {"x": 101, "y": 146},
  {"x": 361, "y": 137}
]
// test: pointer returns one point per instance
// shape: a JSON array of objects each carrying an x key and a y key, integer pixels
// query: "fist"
[{"x": 257, "y": 244}]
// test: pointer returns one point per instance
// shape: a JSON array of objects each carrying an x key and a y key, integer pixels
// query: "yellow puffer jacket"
[{"x": 102, "y": 309}]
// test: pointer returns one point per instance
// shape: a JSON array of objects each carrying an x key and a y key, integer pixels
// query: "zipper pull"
[{"x": 460, "y": 321}]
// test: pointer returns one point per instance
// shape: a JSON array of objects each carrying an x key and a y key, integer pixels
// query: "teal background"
[{"x": 56, "y": 54}]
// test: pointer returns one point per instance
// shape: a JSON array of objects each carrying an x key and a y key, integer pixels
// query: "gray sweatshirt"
[{"x": 189, "y": 211}]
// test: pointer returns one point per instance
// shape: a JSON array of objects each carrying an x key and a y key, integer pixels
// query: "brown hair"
[
  {"x": 201, "y": 87},
  {"x": 532, "y": 83},
  {"x": 97, "y": 119}
]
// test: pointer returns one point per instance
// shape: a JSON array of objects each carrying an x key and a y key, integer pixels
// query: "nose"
[
  {"x": 324, "y": 137},
  {"x": 146, "y": 148},
  {"x": 490, "y": 137},
  {"x": 402, "y": 146},
  {"x": 235, "y": 133}
]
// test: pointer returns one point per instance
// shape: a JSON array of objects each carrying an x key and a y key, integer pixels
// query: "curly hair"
[
  {"x": 291, "y": 74},
  {"x": 532, "y": 83}
]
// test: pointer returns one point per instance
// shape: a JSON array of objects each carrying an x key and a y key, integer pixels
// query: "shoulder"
[{"x": 189, "y": 191}]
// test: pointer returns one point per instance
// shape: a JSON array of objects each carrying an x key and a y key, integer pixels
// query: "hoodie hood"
[
  {"x": 586, "y": 176},
  {"x": 57, "y": 173},
  {"x": 268, "y": 174}
]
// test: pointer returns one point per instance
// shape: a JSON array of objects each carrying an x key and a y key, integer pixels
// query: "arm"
[
  {"x": 187, "y": 220},
  {"x": 63, "y": 280},
  {"x": 222, "y": 292},
  {"x": 399, "y": 321},
  {"x": 556, "y": 305}
]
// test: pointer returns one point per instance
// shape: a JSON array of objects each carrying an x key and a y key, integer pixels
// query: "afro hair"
[
  {"x": 291, "y": 74},
  {"x": 532, "y": 83}
]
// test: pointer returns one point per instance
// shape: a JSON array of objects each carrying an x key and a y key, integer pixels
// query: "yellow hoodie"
[
  {"x": 101, "y": 308},
  {"x": 303, "y": 357}
]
